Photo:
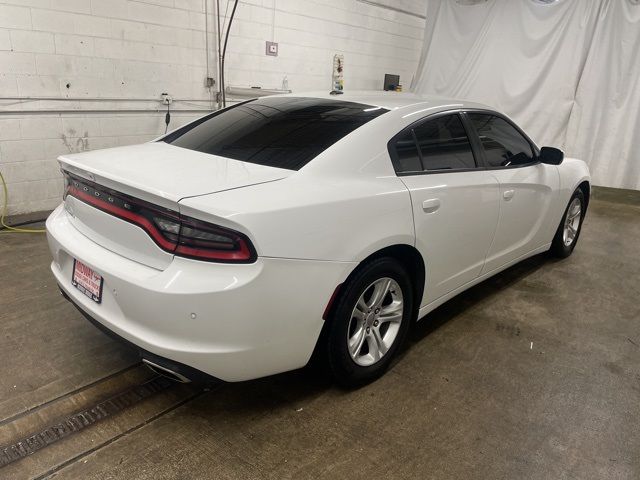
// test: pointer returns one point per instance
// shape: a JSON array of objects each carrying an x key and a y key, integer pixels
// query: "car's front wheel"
[
  {"x": 569, "y": 229},
  {"x": 370, "y": 322}
]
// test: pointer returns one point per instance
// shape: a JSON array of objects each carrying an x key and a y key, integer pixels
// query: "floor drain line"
[{"x": 81, "y": 420}]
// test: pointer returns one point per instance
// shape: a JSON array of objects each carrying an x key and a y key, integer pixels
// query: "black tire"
[
  {"x": 559, "y": 248},
  {"x": 342, "y": 366}
]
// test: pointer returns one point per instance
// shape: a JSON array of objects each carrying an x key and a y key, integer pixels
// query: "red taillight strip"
[
  {"x": 242, "y": 254},
  {"x": 131, "y": 217}
]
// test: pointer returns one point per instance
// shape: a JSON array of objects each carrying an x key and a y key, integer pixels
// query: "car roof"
[
  {"x": 370, "y": 139},
  {"x": 403, "y": 103}
]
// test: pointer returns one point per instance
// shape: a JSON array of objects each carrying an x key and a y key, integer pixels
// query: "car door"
[
  {"x": 526, "y": 188},
  {"x": 455, "y": 203}
]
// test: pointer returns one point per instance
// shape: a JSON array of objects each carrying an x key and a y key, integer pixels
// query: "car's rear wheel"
[
  {"x": 370, "y": 322},
  {"x": 568, "y": 231}
]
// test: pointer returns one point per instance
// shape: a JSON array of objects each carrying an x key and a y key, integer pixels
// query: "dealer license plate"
[{"x": 87, "y": 281}]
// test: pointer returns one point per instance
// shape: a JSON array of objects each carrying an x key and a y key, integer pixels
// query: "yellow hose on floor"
[{"x": 3, "y": 214}]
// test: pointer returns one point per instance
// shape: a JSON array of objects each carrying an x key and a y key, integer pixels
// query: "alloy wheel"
[
  {"x": 572, "y": 222},
  {"x": 375, "y": 321}
]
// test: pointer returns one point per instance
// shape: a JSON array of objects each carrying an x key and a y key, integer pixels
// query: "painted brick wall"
[{"x": 114, "y": 50}]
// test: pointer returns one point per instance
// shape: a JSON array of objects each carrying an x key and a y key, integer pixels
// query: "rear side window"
[
  {"x": 407, "y": 156},
  {"x": 283, "y": 132},
  {"x": 435, "y": 145},
  {"x": 444, "y": 144},
  {"x": 503, "y": 145}
]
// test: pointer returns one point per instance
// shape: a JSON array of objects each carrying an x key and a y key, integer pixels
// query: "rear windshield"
[{"x": 283, "y": 132}]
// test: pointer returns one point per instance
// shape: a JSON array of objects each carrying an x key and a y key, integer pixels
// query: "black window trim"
[{"x": 472, "y": 135}]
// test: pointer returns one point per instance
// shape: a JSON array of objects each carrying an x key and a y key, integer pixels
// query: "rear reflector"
[
  {"x": 171, "y": 231},
  {"x": 327, "y": 310}
]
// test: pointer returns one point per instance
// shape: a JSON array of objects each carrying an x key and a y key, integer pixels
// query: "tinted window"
[
  {"x": 407, "y": 158},
  {"x": 503, "y": 144},
  {"x": 444, "y": 144},
  {"x": 284, "y": 132}
]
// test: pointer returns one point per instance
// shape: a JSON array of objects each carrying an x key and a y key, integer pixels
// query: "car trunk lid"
[
  {"x": 157, "y": 173},
  {"x": 164, "y": 173}
]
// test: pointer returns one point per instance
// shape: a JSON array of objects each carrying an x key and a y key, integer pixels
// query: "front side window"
[
  {"x": 503, "y": 145},
  {"x": 282, "y": 132}
]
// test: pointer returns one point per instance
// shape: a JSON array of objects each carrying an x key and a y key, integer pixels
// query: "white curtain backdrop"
[
  {"x": 604, "y": 127},
  {"x": 568, "y": 72}
]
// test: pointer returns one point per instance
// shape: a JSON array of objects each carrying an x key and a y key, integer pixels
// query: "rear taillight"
[{"x": 171, "y": 231}]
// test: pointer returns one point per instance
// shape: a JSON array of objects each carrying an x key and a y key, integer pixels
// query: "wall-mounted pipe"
[
  {"x": 219, "y": 50},
  {"x": 98, "y": 111},
  {"x": 255, "y": 91},
  {"x": 100, "y": 99},
  {"x": 386, "y": 6},
  {"x": 224, "y": 52}
]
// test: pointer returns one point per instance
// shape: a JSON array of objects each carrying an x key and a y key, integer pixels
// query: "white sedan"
[{"x": 240, "y": 244}]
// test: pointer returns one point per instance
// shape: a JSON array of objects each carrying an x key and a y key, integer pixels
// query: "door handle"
[
  {"x": 508, "y": 194},
  {"x": 431, "y": 205}
]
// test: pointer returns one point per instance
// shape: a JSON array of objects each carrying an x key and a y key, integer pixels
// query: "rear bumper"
[
  {"x": 189, "y": 373},
  {"x": 233, "y": 322}
]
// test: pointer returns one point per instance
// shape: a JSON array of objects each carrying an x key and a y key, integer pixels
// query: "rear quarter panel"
[{"x": 314, "y": 217}]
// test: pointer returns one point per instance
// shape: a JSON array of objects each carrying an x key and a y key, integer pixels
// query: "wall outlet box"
[{"x": 272, "y": 49}]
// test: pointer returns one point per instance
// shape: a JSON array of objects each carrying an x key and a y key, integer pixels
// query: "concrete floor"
[{"x": 533, "y": 374}]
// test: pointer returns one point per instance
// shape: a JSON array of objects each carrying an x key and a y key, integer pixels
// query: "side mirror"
[{"x": 551, "y": 155}]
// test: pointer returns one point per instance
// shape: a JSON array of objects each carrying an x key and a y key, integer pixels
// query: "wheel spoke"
[
  {"x": 362, "y": 305},
  {"x": 382, "y": 348},
  {"x": 356, "y": 341},
  {"x": 374, "y": 350},
  {"x": 380, "y": 290},
  {"x": 391, "y": 318},
  {"x": 391, "y": 313}
]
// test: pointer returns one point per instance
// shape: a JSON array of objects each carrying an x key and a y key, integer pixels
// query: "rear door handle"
[
  {"x": 508, "y": 194},
  {"x": 431, "y": 205}
]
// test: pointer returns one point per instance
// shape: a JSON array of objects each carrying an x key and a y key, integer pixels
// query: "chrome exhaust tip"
[{"x": 165, "y": 372}]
